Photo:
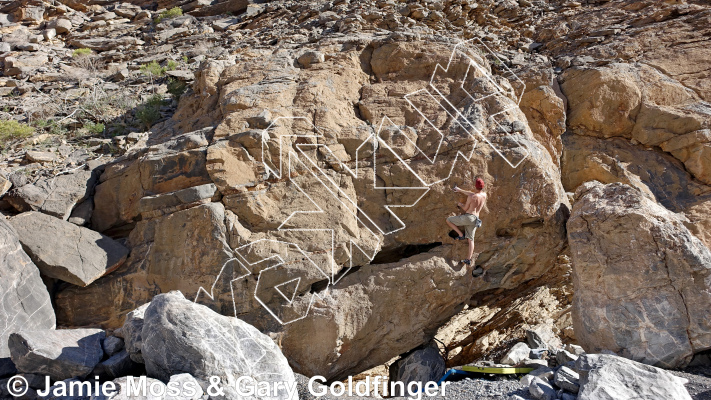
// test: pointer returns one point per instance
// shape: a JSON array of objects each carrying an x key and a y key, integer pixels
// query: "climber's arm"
[{"x": 466, "y": 192}]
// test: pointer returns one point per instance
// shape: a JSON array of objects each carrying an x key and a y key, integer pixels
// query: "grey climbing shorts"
[{"x": 468, "y": 221}]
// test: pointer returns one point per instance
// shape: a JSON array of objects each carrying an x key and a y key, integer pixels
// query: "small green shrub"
[
  {"x": 171, "y": 65},
  {"x": 50, "y": 126},
  {"x": 81, "y": 52},
  {"x": 94, "y": 128},
  {"x": 168, "y": 14},
  {"x": 11, "y": 129},
  {"x": 176, "y": 88},
  {"x": 185, "y": 59},
  {"x": 149, "y": 112},
  {"x": 153, "y": 68}
]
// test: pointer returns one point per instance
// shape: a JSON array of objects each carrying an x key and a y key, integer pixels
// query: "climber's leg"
[
  {"x": 471, "y": 249},
  {"x": 450, "y": 222}
]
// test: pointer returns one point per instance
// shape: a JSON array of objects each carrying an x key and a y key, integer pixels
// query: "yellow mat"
[{"x": 496, "y": 370}]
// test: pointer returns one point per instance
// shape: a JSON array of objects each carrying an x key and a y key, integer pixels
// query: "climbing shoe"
[{"x": 468, "y": 262}]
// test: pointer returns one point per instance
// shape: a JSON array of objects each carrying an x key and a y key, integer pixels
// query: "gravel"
[
  {"x": 506, "y": 388},
  {"x": 485, "y": 389},
  {"x": 699, "y": 385}
]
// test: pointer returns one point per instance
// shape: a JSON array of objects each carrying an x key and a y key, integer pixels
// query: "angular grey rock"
[
  {"x": 574, "y": 349},
  {"x": 61, "y": 25},
  {"x": 563, "y": 357},
  {"x": 5, "y": 185},
  {"x": 61, "y": 354},
  {"x": 7, "y": 367},
  {"x": 311, "y": 57},
  {"x": 534, "y": 363},
  {"x": 179, "y": 335},
  {"x": 49, "y": 34},
  {"x": 81, "y": 214},
  {"x": 118, "y": 365},
  {"x": 183, "y": 75},
  {"x": 567, "y": 379},
  {"x": 422, "y": 365},
  {"x": 643, "y": 293},
  {"x": 518, "y": 353},
  {"x": 104, "y": 16},
  {"x": 131, "y": 332},
  {"x": 526, "y": 380},
  {"x": 541, "y": 390},
  {"x": 607, "y": 377},
  {"x": 112, "y": 345},
  {"x": 538, "y": 354},
  {"x": 103, "y": 44},
  {"x": 542, "y": 337},
  {"x": 40, "y": 156},
  {"x": 55, "y": 196},
  {"x": 24, "y": 301},
  {"x": 544, "y": 373},
  {"x": 65, "y": 251},
  {"x": 120, "y": 74}
]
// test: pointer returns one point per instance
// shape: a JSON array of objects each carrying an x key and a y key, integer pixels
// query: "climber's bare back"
[{"x": 475, "y": 203}]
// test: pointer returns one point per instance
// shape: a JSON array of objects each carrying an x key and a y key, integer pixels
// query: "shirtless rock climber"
[{"x": 469, "y": 220}]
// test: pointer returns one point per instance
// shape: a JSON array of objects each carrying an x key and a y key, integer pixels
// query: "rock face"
[
  {"x": 607, "y": 377},
  {"x": 180, "y": 336},
  {"x": 25, "y": 302},
  {"x": 641, "y": 278},
  {"x": 65, "y": 251},
  {"x": 60, "y": 354}
]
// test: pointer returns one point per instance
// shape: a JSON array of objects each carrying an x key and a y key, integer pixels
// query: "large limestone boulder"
[
  {"x": 607, "y": 377},
  {"x": 154, "y": 266},
  {"x": 277, "y": 231},
  {"x": 656, "y": 173},
  {"x": 180, "y": 336},
  {"x": 637, "y": 102},
  {"x": 55, "y": 196},
  {"x": 177, "y": 164},
  {"x": 24, "y": 301},
  {"x": 642, "y": 280},
  {"x": 60, "y": 354},
  {"x": 65, "y": 251},
  {"x": 379, "y": 312}
]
